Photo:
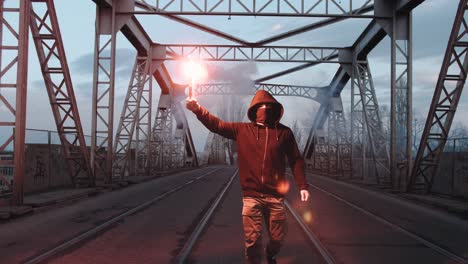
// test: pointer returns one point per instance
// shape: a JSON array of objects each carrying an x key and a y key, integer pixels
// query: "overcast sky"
[{"x": 432, "y": 24}]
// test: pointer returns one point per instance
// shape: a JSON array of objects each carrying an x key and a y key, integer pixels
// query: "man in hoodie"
[{"x": 262, "y": 145}]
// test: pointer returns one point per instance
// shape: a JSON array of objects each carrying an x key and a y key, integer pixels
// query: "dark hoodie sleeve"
[
  {"x": 296, "y": 161},
  {"x": 216, "y": 125}
]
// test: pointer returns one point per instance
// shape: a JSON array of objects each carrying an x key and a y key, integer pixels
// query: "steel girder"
[
  {"x": 217, "y": 150},
  {"x": 339, "y": 147},
  {"x": 367, "y": 109},
  {"x": 446, "y": 97},
  {"x": 48, "y": 41},
  {"x": 143, "y": 127},
  {"x": 170, "y": 150},
  {"x": 303, "y": 8},
  {"x": 162, "y": 136},
  {"x": 134, "y": 32},
  {"x": 103, "y": 94},
  {"x": 358, "y": 132},
  {"x": 401, "y": 104},
  {"x": 309, "y": 92},
  {"x": 246, "y": 53},
  {"x": 320, "y": 154},
  {"x": 337, "y": 84},
  {"x": 13, "y": 93},
  {"x": 176, "y": 93},
  {"x": 141, "y": 77}
]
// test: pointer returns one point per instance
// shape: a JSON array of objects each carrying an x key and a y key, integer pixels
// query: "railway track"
[
  {"x": 438, "y": 248},
  {"x": 195, "y": 236},
  {"x": 86, "y": 235}
]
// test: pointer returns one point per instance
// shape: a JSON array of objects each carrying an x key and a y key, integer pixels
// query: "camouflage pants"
[{"x": 255, "y": 210}]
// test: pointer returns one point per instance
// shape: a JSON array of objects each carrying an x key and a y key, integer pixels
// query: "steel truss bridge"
[{"x": 149, "y": 143}]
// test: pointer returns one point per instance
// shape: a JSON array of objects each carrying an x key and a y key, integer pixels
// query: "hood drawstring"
[{"x": 276, "y": 131}]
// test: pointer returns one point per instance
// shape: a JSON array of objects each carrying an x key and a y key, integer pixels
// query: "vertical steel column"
[
  {"x": 161, "y": 142},
  {"x": 358, "y": 138},
  {"x": 401, "y": 98},
  {"x": 103, "y": 94},
  {"x": 333, "y": 142},
  {"x": 7, "y": 123},
  {"x": 143, "y": 126},
  {"x": 370, "y": 108},
  {"x": 179, "y": 148},
  {"x": 207, "y": 147},
  {"x": 49, "y": 45},
  {"x": 321, "y": 152},
  {"x": 338, "y": 135},
  {"x": 444, "y": 104},
  {"x": 129, "y": 117},
  {"x": 17, "y": 110}
]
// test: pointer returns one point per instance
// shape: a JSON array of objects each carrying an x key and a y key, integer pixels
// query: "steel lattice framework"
[
  {"x": 303, "y": 8},
  {"x": 358, "y": 131},
  {"x": 143, "y": 125},
  {"x": 130, "y": 115},
  {"x": 339, "y": 147},
  {"x": 446, "y": 97},
  {"x": 47, "y": 39},
  {"x": 368, "y": 109},
  {"x": 309, "y": 92},
  {"x": 103, "y": 95},
  {"x": 321, "y": 152},
  {"x": 16, "y": 104},
  {"x": 167, "y": 143},
  {"x": 258, "y": 54}
]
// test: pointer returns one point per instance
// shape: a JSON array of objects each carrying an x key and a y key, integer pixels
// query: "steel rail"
[
  {"x": 327, "y": 256},
  {"x": 440, "y": 249},
  {"x": 95, "y": 230},
  {"x": 188, "y": 246}
]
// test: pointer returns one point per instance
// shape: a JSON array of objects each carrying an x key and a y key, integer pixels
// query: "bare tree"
[{"x": 419, "y": 122}]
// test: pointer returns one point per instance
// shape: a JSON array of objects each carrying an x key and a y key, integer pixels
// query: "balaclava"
[{"x": 266, "y": 116}]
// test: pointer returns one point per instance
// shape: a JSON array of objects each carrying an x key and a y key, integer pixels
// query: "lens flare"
[
  {"x": 307, "y": 216},
  {"x": 283, "y": 187}
]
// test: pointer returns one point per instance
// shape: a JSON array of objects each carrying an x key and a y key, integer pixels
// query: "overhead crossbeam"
[
  {"x": 284, "y": 8},
  {"x": 309, "y": 92},
  {"x": 245, "y": 53}
]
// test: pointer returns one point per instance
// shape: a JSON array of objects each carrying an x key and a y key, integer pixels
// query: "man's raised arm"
[{"x": 213, "y": 123}]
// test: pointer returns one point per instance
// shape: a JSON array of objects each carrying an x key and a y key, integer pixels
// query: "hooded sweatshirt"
[{"x": 262, "y": 149}]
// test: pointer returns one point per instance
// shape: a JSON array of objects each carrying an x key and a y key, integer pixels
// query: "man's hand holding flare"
[{"x": 192, "y": 104}]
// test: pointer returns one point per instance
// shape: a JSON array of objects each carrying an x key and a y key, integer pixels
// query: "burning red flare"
[{"x": 196, "y": 72}]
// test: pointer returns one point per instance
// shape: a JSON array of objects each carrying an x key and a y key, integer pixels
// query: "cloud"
[
  {"x": 84, "y": 65},
  {"x": 276, "y": 27}
]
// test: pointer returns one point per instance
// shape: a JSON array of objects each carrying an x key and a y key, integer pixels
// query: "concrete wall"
[
  {"x": 45, "y": 168},
  {"x": 452, "y": 174}
]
